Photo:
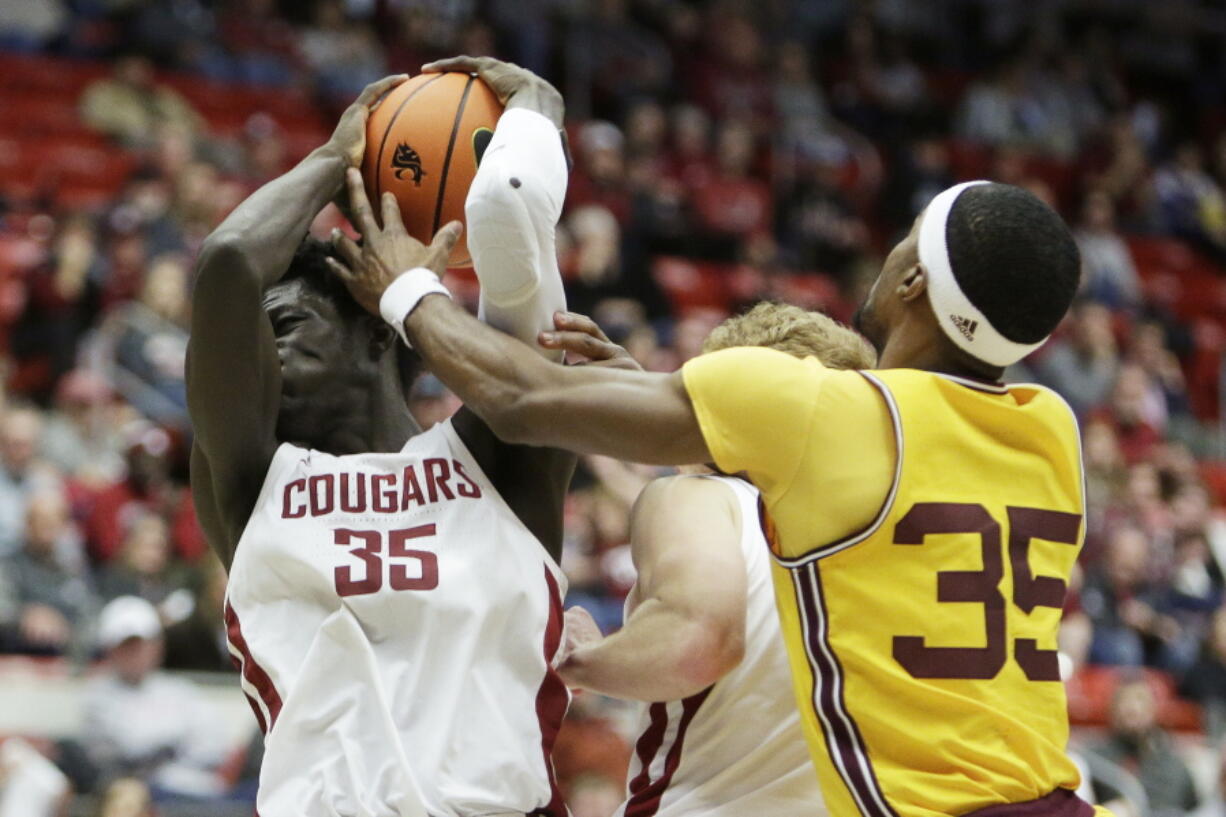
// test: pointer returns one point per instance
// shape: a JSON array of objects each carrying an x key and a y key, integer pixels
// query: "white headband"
[{"x": 962, "y": 323}]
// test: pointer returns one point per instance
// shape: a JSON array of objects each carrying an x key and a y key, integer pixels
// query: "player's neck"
[
  {"x": 933, "y": 353},
  {"x": 377, "y": 421}
]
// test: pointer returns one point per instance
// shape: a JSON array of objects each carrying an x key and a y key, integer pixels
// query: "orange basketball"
[{"x": 423, "y": 144}]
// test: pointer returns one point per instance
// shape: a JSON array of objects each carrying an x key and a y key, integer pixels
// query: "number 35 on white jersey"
[{"x": 395, "y": 625}]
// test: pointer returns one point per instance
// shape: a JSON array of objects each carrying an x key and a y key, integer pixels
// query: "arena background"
[{"x": 725, "y": 153}]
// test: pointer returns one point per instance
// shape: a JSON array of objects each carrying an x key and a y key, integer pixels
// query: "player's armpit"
[{"x": 688, "y": 629}]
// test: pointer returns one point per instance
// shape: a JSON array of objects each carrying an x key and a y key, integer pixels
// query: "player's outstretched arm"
[
  {"x": 640, "y": 416},
  {"x": 515, "y": 201},
  {"x": 233, "y": 373},
  {"x": 687, "y": 629}
]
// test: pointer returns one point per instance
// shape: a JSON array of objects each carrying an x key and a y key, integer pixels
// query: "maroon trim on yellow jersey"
[
  {"x": 846, "y": 746},
  {"x": 551, "y": 699},
  {"x": 252, "y": 673},
  {"x": 989, "y": 386},
  {"x": 831, "y": 548},
  {"x": 646, "y": 794},
  {"x": 1060, "y": 803}
]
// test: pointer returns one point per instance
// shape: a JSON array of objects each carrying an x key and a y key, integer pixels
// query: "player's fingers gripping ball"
[{"x": 423, "y": 144}]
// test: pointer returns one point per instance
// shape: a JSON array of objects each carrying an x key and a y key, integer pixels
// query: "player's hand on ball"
[
  {"x": 514, "y": 86},
  {"x": 580, "y": 335},
  {"x": 386, "y": 252},
  {"x": 349, "y": 138}
]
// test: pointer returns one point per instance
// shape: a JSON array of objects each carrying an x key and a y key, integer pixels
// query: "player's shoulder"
[
  {"x": 1050, "y": 408},
  {"x": 760, "y": 358},
  {"x": 750, "y": 373},
  {"x": 683, "y": 495}
]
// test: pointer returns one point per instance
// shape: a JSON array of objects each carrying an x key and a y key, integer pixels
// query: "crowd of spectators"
[{"x": 725, "y": 152}]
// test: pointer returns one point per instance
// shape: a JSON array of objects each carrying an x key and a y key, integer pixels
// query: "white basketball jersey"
[
  {"x": 395, "y": 625},
  {"x": 736, "y": 748}
]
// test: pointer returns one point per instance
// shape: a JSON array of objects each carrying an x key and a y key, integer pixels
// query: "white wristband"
[{"x": 405, "y": 293}]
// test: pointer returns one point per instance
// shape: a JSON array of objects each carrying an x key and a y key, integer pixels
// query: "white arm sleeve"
[{"x": 512, "y": 209}]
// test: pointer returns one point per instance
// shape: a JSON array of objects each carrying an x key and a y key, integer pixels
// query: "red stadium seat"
[
  {"x": 1091, "y": 689},
  {"x": 38, "y": 113},
  {"x": 49, "y": 75},
  {"x": 1180, "y": 277},
  {"x": 692, "y": 284}
]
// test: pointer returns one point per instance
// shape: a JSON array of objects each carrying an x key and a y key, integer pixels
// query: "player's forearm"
[
  {"x": 662, "y": 654},
  {"x": 268, "y": 226},
  {"x": 633, "y": 415},
  {"x": 512, "y": 209}
]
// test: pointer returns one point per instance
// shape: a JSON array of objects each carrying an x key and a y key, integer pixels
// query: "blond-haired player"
[
  {"x": 701, "y": 647},
  {"x": 924, "y": 517}
]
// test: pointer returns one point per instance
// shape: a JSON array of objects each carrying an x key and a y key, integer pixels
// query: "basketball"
[{"x": 423, "y": 143}]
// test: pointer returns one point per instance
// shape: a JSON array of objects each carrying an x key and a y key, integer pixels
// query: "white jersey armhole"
[{"x": 283, "y": 460}]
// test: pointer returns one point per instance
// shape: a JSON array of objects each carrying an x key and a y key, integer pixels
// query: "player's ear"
[
  {"x": 382, "y": 338},
  {"x": 913, "y": 284}
]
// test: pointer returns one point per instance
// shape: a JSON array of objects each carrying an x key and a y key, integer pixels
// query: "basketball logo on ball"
[
  {"x": 406, "y": 158},
  {"x": 441, "y": 121}
]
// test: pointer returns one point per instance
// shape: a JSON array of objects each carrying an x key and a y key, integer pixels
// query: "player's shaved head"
[
  {"x": 794, "y": 331},
  {"x": 1013, "y": 260}
]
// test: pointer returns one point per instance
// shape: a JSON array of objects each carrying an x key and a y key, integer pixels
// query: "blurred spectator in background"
[
  {"x": 63, "y": 296},
  {"x": 146, "y": 486},
  {"x": 144, "y": 569},
  {"x": 1138, "y": 409},
  {"x": 51, "y": 603},
  {"x": 22, "y": 473},
  {"x": 29, "y": 25},
  {"x": 1205, "y": 681},
  {"x": 81, "y": 437},
  {"x": 1002, "y": 111},
  {"x": 343, "y": 53},
  {"x": 142, "y": 723},
  {"x": 1191, "y": 202},
  {"x": 1125, "y": 604},
  {"x": 627, "y": 60},
  {"x": 1136, "y": 743},
  {"x": 1082, "y": 364},
  {"x": 130, "y": 105},
  {"x": 734, "y": 203},
  {"x": 150, "y": 336},
  {"x": 1108, "y": 274}
]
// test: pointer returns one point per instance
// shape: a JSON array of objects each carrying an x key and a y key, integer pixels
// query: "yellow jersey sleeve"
[{"x": 755, "y": 408}]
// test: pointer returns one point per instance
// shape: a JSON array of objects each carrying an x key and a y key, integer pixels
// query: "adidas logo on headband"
[{"x": 965, "y": 325}]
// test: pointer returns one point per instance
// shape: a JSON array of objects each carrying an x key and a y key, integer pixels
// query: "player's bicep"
[
  {"x": 685, "y": 540},
  {"x": 233, "y": 374}
]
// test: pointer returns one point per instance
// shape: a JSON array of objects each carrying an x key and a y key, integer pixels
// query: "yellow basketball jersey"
[{"x": 923, "y": 645}]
